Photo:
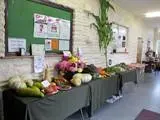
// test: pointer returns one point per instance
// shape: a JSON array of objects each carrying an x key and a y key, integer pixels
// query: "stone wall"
[{"x": 83, "y": 36}]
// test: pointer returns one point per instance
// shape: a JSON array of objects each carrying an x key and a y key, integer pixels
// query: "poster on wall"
[
  {"x": 53, "y": 27},
  {"x": 63, "y": 45},
  {"x": 115, "y": 36},
  {"x": 38, "y": 64},
  {"x": 55, "y": 44},
  {"x": 48, "y": 45},
  {"x": 51, "y": 44},
  {"x": 38, "y": 49},
  {"x": 40, "y": 30},
  {"x": 65, "y": 29},
  {"x": 120, "y": 37},
  {"x": 14, "y": 44},
  {"x": 40, "y": 26}
]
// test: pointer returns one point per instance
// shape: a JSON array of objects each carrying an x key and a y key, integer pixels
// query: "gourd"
[
  {"x": 80, "y": 78},
  {"x": 38, "y": 84},
  {"x": 76, "y": 81},
  {"x": 86, "y": 78},
  {"x": 30, "y": 92}
]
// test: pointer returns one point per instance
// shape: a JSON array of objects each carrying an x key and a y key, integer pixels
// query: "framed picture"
[{"x": 120, "y": 37}]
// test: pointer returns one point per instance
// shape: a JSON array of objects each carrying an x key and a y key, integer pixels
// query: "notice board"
[{"x": 20, "y": 20}]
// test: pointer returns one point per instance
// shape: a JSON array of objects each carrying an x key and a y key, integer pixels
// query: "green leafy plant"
[{"x": 103, "y": 26}]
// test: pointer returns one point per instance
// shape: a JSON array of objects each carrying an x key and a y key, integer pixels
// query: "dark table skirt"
[
  {"x": 63, "y": 104},
  {"x": 55, "y": 107},
  {"x": 101, "y": 90},
  {"x": 128, "y": 76}
]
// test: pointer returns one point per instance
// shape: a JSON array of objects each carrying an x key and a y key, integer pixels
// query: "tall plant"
[{"x": 103, "y": 26}]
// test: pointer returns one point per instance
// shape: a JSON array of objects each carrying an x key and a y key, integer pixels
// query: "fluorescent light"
[{"x": 152, "y": 14}]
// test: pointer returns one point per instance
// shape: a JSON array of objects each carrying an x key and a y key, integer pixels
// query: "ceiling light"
[{"x": 152, "y": 14}]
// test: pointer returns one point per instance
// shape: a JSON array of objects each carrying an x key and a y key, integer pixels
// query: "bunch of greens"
[{"x": 113, "y": 69}]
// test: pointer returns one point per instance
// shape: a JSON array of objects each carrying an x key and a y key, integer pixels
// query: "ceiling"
[{"x": 140, "y": 7}]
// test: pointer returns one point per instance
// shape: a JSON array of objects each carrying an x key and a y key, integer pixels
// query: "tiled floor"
[{"x": 144, "y": 96}]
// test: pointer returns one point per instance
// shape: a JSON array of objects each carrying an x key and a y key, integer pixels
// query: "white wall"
[
  {"x": 83, "y": 36},
  {"x": 137, "y": 28}
]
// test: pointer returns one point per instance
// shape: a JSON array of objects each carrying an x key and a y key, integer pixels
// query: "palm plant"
[{"x": 103, "y": 26}]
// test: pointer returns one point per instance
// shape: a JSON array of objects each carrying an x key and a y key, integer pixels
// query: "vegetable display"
[
  {"x": 122, "y": 67},
  {"x": 71, "y": 71}
]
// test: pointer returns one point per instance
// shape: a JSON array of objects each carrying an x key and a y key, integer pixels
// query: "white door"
[
  {"x": 158, "y": 48},
  {"x": 139, "y": 50}
]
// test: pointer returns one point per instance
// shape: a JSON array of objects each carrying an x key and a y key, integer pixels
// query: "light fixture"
[{"x": 152, "y": 14}]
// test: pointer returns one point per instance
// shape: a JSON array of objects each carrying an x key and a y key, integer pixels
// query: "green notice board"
[{"x": 21, "y": 18}]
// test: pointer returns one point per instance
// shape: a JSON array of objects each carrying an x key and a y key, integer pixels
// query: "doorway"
[
  {"x": 158, "y": 48},
  {"x": 139, "y": 50}
]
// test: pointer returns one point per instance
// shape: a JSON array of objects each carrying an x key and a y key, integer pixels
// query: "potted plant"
[{"x": 103, "y": 26}]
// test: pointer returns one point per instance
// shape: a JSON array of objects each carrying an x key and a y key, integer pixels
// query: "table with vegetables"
[{"x": 76, "y": 85}]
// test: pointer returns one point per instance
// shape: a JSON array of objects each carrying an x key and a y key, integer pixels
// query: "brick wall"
[{"x": 84, "y": 37}]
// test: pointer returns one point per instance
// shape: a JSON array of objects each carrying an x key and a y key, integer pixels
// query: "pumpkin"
[
  {"x": 81, "y": 78},
  {"x": 86, "y": 78}
]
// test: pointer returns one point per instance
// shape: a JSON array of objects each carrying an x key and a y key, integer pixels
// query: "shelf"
[
  {"x": 22, "y": 57},
  {"x": 120, "y": 53}
]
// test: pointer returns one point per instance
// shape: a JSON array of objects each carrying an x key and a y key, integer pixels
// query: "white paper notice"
[
  {"x": 53, "y": 27},
  {"x": 50, "y": 27},
  {"x": 38, "y": 18},
  {"x": 38, "y": 49},
  {"x": 65, "y": 26},
  {"x": 40, "y": 30},
  {"x": 67, "y": 53},
  {"x": 40, "y": 26},
  {"x": 48, "y": 45},
  {"x": 14, "y": 44},
  {"x": 38, "y": 64},
  {"x": 63, "y": 45},
  {"x": 45, "y": 83}
]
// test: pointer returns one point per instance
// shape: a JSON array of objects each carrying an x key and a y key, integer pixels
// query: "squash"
[
  {"x": 76, "y": 81},
  {"x": 38, "y": 85},
  {"x": 80, "y": 78},
  {"x": 30, "y": 92},
  {"x": 86, "y": 78}
]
